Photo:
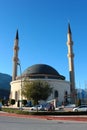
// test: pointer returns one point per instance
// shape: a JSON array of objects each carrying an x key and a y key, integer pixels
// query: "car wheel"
[{"x": 76, "y": 110}]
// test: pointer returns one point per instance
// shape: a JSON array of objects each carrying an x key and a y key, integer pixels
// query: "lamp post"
[{"x": 21, "y": 85}]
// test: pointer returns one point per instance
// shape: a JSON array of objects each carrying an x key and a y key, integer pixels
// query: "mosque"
[{"x": 62, "y": 90}]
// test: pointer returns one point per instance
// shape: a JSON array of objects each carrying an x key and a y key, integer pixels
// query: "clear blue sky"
[{"x": 42, "y": 26}]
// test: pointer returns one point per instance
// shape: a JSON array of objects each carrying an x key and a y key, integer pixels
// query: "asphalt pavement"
[{"x": 16, "y": 123}]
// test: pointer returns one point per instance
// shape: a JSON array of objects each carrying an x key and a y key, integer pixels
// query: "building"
[
  {"x": 5, "y": 80},
  {"x": 62, "y": 89},
  {"x": 82, "y": 95}
]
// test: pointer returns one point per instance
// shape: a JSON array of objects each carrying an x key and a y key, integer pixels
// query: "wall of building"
[{"x": 61, "y": 86}]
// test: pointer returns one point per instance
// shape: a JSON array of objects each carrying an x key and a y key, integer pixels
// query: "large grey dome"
[{"x": 42, "y": 71}]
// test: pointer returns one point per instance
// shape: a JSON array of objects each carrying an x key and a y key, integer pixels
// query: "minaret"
[
  {"x": 71, "y": 64},
  {"x": 15, "y": 57}
]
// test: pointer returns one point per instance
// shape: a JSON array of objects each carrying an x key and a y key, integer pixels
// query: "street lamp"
[{"x": 18, "y": 63}]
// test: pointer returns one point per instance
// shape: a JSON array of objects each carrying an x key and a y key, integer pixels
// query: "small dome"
[{"x": 42, "y": 71}]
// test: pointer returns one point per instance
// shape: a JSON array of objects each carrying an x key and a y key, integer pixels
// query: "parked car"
[
  {"x": 80, "y": 108},
  {"x": 39, "y": 107},
  {"x": 28, "y": 105},
  {"x": 69, "y": 107}
]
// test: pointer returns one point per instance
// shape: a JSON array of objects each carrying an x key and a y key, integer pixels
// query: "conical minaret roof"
[
  {"x": 69, "y": 29},
  {"x": 17, "y": 37}
]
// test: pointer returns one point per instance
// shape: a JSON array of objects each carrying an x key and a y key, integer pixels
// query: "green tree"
[{"x": 36, "y": 90}]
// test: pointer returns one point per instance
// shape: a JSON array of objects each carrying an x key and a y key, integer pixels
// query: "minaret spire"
[
  {"x": 17, "y": 35},
  {"x": 15, "y": 57},
  {"x": 71, "y": 64},
  {"x": 69, "y": 29}
]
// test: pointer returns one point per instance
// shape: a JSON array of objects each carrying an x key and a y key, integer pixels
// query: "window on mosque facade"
[
  {"x": 66, "y": 93},
  {"x": 56, "y": 94}
]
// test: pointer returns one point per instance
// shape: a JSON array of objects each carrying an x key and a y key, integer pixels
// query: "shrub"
[
  {"x": 24, "y": 102},
  {"x": 12, "y": 102}
]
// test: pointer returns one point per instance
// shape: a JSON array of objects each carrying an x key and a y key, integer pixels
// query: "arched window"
[
  {"x": 55, "y": 94},
  {"x": 66, "y": 93}
]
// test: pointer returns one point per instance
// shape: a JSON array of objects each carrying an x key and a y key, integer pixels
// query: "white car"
[
  {"x": 80, "y": 108},
  {"x": 39, "y": 107}
]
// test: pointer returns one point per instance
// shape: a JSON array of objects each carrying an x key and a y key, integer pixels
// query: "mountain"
[{"x": 5, "y": 80}]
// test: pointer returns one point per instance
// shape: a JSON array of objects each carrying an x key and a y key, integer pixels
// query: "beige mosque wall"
[
  {"x": 60, "y": 85},
  {"x": 15, "y": 87}
]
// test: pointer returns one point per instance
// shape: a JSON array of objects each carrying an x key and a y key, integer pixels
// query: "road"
[{"x": 15, "y": 123}]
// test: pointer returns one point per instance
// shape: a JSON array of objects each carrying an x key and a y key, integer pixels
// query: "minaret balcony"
[{"x": 70, "y": 55}]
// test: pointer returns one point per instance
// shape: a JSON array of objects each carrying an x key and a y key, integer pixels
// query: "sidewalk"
[{"x": 63, "y": 118}]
